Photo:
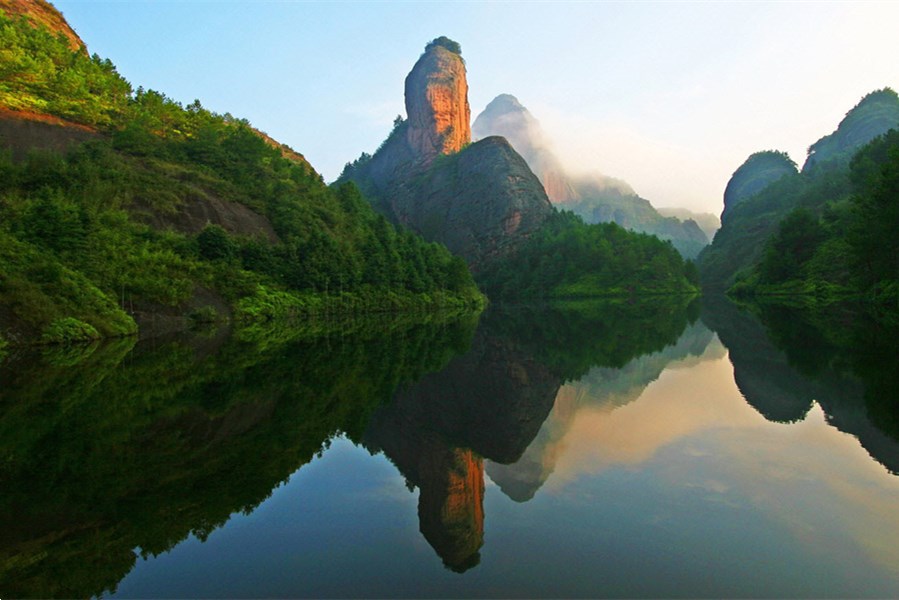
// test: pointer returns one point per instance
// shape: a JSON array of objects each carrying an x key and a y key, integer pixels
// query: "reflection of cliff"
[
  {"x": 604, "y": 387},
  {"x": 488, "y": 403},
  {"x": 771, "y": 381},
  {"x": 451, "y": 484}
]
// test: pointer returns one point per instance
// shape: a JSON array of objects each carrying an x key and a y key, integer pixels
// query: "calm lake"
[{"x": 656, "y": 449}]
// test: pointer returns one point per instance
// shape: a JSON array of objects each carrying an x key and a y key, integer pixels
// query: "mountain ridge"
[{"x": 596, "y": 198}]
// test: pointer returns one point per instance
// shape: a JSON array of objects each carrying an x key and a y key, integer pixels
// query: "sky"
[{"x": 669, "y": 96}]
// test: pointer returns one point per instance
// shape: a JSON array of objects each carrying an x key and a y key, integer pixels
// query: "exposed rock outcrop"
[
  {"x": 437, "y": 104},
  {"x": 596, "y": 198},
  {"x": 479, "y": 203},
  {"x": 480, "y": 200},
  {"x": 23, "y": 132}
]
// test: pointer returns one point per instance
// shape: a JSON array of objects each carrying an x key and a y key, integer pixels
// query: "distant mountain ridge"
[
  {"x": 597, "y": 198},
  {"x": 708, "y": 222}
]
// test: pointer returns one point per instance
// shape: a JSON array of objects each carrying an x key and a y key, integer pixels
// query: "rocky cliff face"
[
  {"x": 42, "y": 13},
  {"x": 596, "y": 198},
  {"x": 480, "y": 200},
  {"x": 758, "y": 172},
  {"x": 479, "y": 203},
  {"x": 874, "y": 115},
  {"x": 437, "y": 104}
]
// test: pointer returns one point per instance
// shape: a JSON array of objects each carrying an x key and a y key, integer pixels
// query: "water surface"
[{"x": 587, "y": 450}]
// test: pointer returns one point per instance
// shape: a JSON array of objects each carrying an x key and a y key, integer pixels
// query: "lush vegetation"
[
  {"x": 444, "y": 42},
  {"x": 174, "y": 208},
  {"x": 567, "y": 258},
  {"x": 874, "y": 114},
  {"x": 758, "y": 172},
  {"x": 598, "y": 204},
  {"x": 807, "y": 232},
  {"x": 845, "y": 245}
]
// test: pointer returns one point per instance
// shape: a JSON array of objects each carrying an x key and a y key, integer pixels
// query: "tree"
[{"x": 215, "y": 244}]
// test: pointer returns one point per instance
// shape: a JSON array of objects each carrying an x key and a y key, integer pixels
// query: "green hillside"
[
  {"x": 786, "y": 226},
  {"x": 120, "y": 206}
]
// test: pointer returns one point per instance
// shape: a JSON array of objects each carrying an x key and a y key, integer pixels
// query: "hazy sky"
[{"x": 671, "y": 97}]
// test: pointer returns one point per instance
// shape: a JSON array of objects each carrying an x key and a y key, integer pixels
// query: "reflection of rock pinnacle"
[{"x": 451, "y": 506}]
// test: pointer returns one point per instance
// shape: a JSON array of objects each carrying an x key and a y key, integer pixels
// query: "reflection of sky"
[
  {"x": 685, "y": 491},
  {"x": 693, "y": 427}
]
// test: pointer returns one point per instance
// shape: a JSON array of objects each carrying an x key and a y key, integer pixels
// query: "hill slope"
[
  {"x": 775, "y": 215},
  {"x": 120, "y": 205}
]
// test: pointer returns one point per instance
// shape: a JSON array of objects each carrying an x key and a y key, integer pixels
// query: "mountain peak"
[
  {"x": 505, "y": 103},
  {"x": 759, "y": 171},
  {"x": 436, "y": 90}
]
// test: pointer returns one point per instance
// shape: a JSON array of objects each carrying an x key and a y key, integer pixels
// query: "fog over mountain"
[{"x": 596, "y": 197}]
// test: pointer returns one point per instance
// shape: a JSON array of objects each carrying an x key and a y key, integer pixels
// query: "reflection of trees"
[
  {"x": 142, "y": 448},
  {"x": 572, "y": 337},
  {"x": 789, "y": 357},
  {"x": 491, "y": 402},
  {"x": 606, "y": 387}
]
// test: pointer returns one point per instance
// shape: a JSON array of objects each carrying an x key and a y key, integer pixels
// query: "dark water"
[{"x": 591, "y": 450}]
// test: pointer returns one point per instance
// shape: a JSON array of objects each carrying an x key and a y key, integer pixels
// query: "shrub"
[{"x": 69, "y": 330}]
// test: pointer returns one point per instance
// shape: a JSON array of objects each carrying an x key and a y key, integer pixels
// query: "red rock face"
[
  {"x": 41, "y": 12},
  {"x": 439, "y": 116}
]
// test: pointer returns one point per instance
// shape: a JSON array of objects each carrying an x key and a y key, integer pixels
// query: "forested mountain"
[
  {"x": 483, "y": 201},
  {"x": 596, "y": 198},
  {"x": 121, "y": 207},
  {"x": 825, "y": 230}
]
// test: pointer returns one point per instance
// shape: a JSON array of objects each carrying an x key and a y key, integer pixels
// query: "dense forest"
[
  {"x": 568, "y": 258},
  {"x": 847, "y": 246},
  {"x": 823, "y": 233},
  {"x": 171, "y": 208},
  {"x": 839, "y": 240}
]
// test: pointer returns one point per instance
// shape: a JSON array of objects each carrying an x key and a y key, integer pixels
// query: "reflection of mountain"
[
  {"x": 489, "y": 402},
  {"x": 494, "y": 400},
  {"x": 99, "y": 458},
  {"x": 783, "y": 384},
  {"x": 604, "y": 387}
]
